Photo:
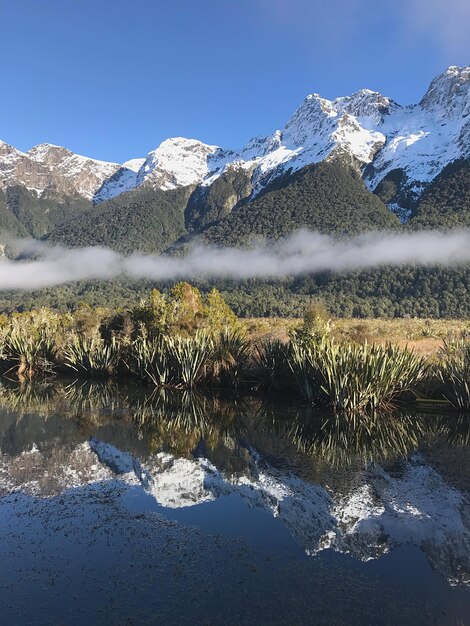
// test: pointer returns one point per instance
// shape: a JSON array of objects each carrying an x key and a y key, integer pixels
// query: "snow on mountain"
[
  {"x": 422, "y": 139},
  {"x": 124, "y": 179},
  {"x": 367, "y": 129},
  {"x": 178, "y": 162},
  {"x": 52, "y": 167}
]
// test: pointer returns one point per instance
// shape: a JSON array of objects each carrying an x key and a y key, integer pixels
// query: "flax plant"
[
  {"x": 453, "y": 372},
  {"x": 92, "y": 357},
  {"x": 352, "y": 377}
]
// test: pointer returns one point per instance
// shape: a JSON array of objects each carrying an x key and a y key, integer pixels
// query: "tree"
[{"x": 217, "y": 313}]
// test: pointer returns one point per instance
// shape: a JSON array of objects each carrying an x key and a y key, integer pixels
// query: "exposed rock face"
[
  {"x": 53, "y": 167},
  {"x": 448, "y": 93},
  {"x": 366, "y": 129}
]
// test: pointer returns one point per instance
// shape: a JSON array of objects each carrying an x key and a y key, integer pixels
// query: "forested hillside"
[
  {"x": 9, "y": 223},
  {"x": 145, "y": 220},
  {"x": 41, "y": 214},
  {"x": 384, "y": 292},
  {"x": 446, "y": 202},
  {"x": 329, "y": 197}
]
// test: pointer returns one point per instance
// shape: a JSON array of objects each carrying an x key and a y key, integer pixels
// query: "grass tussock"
[
  {"x": 271, "y": 365},
  {"x": 92, "y": 356}
]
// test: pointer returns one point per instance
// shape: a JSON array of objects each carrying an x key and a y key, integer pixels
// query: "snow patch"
[{"x": 367, "y": 128}]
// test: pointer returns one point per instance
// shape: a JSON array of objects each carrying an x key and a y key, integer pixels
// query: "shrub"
[
  {"x": 317, "y": 320},
  {"x": 218, "y": 315}
]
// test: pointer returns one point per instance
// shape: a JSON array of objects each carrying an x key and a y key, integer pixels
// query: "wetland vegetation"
[{"x": 186, "y": 341}]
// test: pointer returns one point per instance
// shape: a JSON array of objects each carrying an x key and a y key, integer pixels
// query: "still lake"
[{"x": 119, "y": 506}]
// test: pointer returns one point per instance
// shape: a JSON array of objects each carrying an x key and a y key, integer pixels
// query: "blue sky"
[{"x": 113, "y": 78}]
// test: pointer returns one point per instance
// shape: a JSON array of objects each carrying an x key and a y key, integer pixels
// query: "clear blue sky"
[{"x": 113, "y": 78}]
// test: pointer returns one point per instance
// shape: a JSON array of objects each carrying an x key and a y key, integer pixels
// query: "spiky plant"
[
  {"x": 230, "y": 352},
  {"x": 171, "y": 361},
  {"x": 271, "y": 361},
  {"x": 304, "y": 367},
  {"x": 189, "y": 357},
  {"x": 149, "y": 360},
  {"x": 453, "y": 372},
  {"x": 30, "y": 350},
  {"x": 92, "y": 356},
  {"x": 356, "y": 377}
]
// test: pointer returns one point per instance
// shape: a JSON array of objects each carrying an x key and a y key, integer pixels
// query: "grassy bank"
[
  {"x": 424, "y": 336},
  {"x": 187, "y": 341}
]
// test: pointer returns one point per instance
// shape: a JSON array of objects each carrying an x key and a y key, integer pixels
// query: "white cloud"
[{"x": 301, "y": 253}]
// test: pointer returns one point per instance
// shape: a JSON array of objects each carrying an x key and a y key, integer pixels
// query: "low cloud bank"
[{"x": 38, "y": 265}]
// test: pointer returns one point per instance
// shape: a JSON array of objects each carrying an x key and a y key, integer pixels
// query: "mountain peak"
[
  {"x": 7, "y": 149},
  {"x": 48, "y": 151},
  {"x": 449, "y": 92},
  {"x": 177, "y": 162},
  {"x": 366, "y": 103},
  {"x": 365, "y": 128},
  {"x": 185, "y": 142}
]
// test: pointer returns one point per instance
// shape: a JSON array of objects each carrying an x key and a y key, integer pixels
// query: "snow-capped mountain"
[
  {"x": 371, "y": 130},
  {"x": 124, "y": 179},
  {"x": 47, "y": 166},
  {"x": 368, "y": 129}
]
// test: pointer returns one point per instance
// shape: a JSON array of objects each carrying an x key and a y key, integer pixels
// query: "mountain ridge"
[{"x": 371, "y": 131}]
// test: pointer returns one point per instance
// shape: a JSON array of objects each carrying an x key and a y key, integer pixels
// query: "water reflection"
[
  {"x": 356, "y": 485},
  {"x": 188, "y": 424}
]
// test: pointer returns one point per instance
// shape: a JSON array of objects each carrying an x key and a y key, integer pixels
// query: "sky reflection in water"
[{"x": 122, "y": 505}]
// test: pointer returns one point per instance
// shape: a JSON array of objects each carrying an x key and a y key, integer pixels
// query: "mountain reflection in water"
[{"x": 362, "y": 486}]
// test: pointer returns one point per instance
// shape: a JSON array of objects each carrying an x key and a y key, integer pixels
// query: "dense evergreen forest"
[
  {"x": 390, "y": 292},
  {"x": 329, "y": 197}
]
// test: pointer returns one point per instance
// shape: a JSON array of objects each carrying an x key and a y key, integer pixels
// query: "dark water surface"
[{"x": 118, "y": 507}]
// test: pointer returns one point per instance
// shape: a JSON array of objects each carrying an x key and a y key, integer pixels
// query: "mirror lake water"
[{"x": 119, "y": 506}]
